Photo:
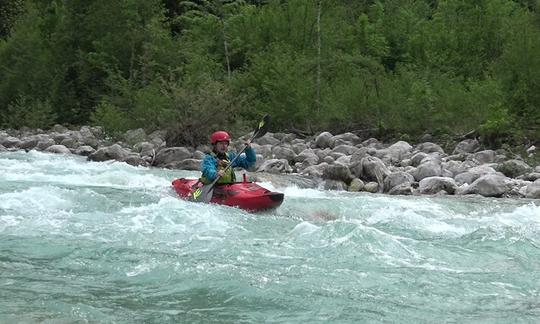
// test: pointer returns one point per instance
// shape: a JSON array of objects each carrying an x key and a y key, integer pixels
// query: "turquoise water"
[{"x": 110, "y": 243}]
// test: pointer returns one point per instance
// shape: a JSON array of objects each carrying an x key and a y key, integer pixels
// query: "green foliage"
[
  {"x": 24, "y": 112},
  {"x": 196, "y": 112},
  {"x": 497, "y": 128},
  {"x": 188, "y": 112},
  {"x": 10, "y": 10},
  {"x": 519, "y": 70},
  {"x": 278, "y": 84},
  {"x": 400, "y": 67},
  {"x": 113, "y": 119},
  {"x": 24, "y": 60}
]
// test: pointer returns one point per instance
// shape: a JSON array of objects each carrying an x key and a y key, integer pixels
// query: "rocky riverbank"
[{"x": 341, "y": 162}]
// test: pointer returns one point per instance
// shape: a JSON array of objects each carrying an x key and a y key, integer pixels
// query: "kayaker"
[{"x": 215, "y": 163}]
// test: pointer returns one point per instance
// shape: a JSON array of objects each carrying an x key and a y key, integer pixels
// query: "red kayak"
[{"x": 244, "y": 195}]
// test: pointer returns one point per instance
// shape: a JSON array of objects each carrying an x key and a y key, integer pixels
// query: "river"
[{"x": 111, "y": 243}]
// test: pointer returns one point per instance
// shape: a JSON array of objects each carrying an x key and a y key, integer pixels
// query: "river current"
[{"x": 111, "y": 243}]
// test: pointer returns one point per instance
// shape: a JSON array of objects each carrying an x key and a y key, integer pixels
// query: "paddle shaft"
[{"x": 205, "y": 193}]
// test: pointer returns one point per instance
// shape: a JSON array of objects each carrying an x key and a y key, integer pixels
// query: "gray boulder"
[
  {"x": 356, "y": 185},
  {"x": 84, "y": 150},
  {"x": 486, "y": 156},
  {"x": 489, "y": 185},
  {"x": 373, "y": 169},
  {"x": 275, "y": 166},
  {"x": 58, "y": 149},
  {"x": 186, "y": 164},
  {"x": 171, "y": 155},
  {"x": 458, "y": 167},
  {"x": 428, "y": 168},
  {"x": 345, "y": 149},
  {"x": 89, "y": 136},
  {"x": 158, "y": 138},
  {"x": 113, "y": 152},
  {"x": 329, "y": 159},
  {"x": 402, "y": 189},
  {"x": 361, "y": 153},
  {"x": 338, "y": 171},
  {"x": 347, "y": 138},
  {"x": 337, "y": 185},
  {"x": 59, "y": 128},
  {"x": 198, "y": 155},
  {"x": 395, "y": 153},
  {"x": 10, "y": 141},
  {"x": 429, "y": 147},
  {"x": 44, "y": 143},
  {"x": 135, "y": 160},
  {"x": 267, "y": 139},
  {"x": 433, "y": 185},
  {"x": 467, "y": 146},
  {"x": 533, "y": 176},
  {"x": 514, "y": 168},
  {"x": 29, "y": 143},
  {"x": 299, "y": 147},
  {"x": 373, "y": 143},
  {"x": 372, "y": 187},
  {"x": 59, "y": 137},
  {"x": 322, "y": 153},
  {"x": 324, "y": 140},
  {"x": 309, "y": 155},
  {"x": 417, "y": 158},
  {"x": 145, "y": 148},
  {"x": 346, "y": 159},
  {"x": 315, "y": 170},
  {"x": 264, "y": 150},
  {"x": 473, "y": 173},
  {"x": 70, "y": 143},
  {"x": 395, "y": 179},
  {"x": 533, "y": 190},
  {"x": 283, "y": 152},
  {"x": 134, "y": 136}
]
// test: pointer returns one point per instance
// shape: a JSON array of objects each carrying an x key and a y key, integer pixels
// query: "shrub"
[{"x": 25, "y": 112}]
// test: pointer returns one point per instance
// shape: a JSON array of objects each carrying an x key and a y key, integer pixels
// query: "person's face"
[{"x": 221, "y": 147}]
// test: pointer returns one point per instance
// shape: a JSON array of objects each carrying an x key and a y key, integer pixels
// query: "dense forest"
[{"x": 391, "y": 67}]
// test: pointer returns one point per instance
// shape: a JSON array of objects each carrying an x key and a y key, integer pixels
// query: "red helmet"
[{"x": 220, "y": 136}]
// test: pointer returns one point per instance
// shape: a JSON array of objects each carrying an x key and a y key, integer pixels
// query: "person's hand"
[
  {"x": 248, "y": 143},
  {"x": 223, "y": 163},
  {"x": 221, "y": 173}
]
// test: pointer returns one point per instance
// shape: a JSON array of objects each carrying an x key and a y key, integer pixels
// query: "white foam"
[
  {"x": 304, "y": 228},
  {"x": 294, "y": 191},
  {"x": 40, "y": 198}
]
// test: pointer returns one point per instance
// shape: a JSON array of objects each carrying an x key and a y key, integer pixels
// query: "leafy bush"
[
  {"x": 497, "y": 128},
  {"x": 28, "y": 113},
  {"x": 111, "y": 118},
  {"x": 193, "y": 113}
]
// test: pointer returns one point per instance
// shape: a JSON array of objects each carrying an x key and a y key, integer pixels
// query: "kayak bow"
[{"x": 244, "y": 195}]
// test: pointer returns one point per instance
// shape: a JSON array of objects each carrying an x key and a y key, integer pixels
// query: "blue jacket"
[{"x": 209, "y": 165}]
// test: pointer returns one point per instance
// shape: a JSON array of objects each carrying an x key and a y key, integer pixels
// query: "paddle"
[{"x": 204, "y": 194}]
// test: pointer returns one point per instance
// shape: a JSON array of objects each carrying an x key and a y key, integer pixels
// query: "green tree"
[{"x": 10, "y": 10}]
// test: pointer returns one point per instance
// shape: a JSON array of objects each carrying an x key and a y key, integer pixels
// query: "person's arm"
[
  {"x": 208, "y": 168},
  {"x": 246, "y": 160}
]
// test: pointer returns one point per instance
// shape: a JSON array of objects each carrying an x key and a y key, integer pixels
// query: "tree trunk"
[
  {"x": 319, "y": 45},
  {"x": 226, "y": 48}
]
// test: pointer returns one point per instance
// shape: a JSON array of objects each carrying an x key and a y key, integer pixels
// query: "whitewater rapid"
[{"x": 108, "y": 242}]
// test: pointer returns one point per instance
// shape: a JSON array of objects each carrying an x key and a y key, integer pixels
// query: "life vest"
[{"x": 228, "y": 177}]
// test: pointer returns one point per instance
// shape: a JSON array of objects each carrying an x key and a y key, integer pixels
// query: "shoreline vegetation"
[
  {"x": 389, "y": 72},
  {"x": 334, "y": 162},
  {"x": 397, "y": 68}
]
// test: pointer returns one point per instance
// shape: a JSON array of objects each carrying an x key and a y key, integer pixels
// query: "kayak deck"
[{"x": 245, "y": 195}]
